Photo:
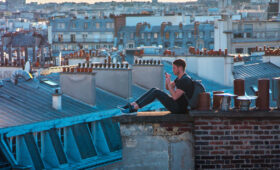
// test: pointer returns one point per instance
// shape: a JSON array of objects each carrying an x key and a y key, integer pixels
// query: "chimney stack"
[
  {"x": 148, "y": 74},
  {"x": 56, "y": 99},
  {"x": 79, "y": 85}
]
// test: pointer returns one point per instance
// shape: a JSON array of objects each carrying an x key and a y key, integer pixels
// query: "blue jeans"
[{"x": 165, "y": 99}]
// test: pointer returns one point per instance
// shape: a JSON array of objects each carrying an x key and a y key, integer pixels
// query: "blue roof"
[
  {"x": 79, "y": 25},
  {"x": 256, "y": 70},
  {"x": 31, "y": 102}
]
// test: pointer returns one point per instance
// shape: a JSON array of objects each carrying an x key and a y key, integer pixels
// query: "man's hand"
[{"x": 167, "y": 80}]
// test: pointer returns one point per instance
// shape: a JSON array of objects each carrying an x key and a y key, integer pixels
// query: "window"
[
  {"x": 178, "y": 35},
  {"x": 60, "y": 37},
  {"x": 130, "y": 46},
  {"x": 238, "y": 35},
  {"x": 189, "y": 35},
  {"x": 212, "y": 34},
  {"x": 108, "y": 25},
  {"x": 86, "y": 25},
  {"x": 250, "y": 50},
  {"x": 131, "y": 35},
  {"x": 155, "y": 35},
  {"x": 73, "y": 25},
  {"x": 248, "y": 35},
  {"x": 239, "y": 50},
  {"x": 149, "y": 35},
  {"x": 97, "y": 25},
  {"x": 142, "y": 35},
  {"x": 201, "y": 34},
  {"x": 97, "y": 46},
  {"x": 85, "y": 36},
  {"x": 73, "y": 37},
  {"x": 61, "y": 25}
]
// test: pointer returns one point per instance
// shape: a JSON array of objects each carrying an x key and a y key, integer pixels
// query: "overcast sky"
[{"x": 92, "y": 1}]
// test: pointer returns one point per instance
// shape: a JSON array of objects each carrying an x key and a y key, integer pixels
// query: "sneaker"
[{"x": 128, "y": 110}]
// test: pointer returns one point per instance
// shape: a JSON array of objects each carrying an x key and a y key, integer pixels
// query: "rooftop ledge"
[{"x": 167, "y": 117}]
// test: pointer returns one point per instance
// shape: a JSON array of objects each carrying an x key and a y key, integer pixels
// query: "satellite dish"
[{"x": 27, "y": 67}]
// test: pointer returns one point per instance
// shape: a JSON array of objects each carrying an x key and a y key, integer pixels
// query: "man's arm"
[{"x": 176, "y": 94}]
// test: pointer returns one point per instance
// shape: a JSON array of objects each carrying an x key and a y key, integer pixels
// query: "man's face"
[{"x": 175, "y": 69}]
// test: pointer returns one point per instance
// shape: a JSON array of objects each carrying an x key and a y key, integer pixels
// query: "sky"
[{"x": 93, "y": 1}]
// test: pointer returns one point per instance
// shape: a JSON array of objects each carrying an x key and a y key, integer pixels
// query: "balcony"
[
  {"x": 260, "y": 36},
  {"x": 82, "y": 40}
]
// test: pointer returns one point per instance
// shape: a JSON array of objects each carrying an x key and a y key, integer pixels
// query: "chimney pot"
[
  {"x": 217, "y": 99},
  {"x": 263, "y": 93},
  {"x": 239, "y": 90},
  {"x": 56, "y": 99},
  {"x": 204, "y": 101}
]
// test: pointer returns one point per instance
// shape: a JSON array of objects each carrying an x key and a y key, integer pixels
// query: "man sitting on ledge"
[{"x": 176, "y": 102}]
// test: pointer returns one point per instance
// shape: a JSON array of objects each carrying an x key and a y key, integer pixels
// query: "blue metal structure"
[{"x": 36, "y": 136}]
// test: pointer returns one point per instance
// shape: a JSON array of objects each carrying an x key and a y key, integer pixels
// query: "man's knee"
[{"x": 157, "y": 91}]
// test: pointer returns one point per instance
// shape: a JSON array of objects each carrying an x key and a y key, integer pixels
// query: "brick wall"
[
  {"x": 211, "y": 140},
  {"x": 222, "y": 142}
]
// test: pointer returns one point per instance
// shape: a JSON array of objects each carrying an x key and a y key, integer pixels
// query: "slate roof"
[
  {"x": 31, "y": 102},
  {"x": 26, "y": 40},
  {"x": 80, "y": 25},
  {"x": 256, "y": 70}
]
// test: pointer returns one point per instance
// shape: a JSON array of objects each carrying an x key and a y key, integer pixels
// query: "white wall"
[
  {"x": 157, "y": 20},
  {"x": 217, "y": 69},
  {"x": 272, "y": 59},
  {"x": 206, "y": 18}
]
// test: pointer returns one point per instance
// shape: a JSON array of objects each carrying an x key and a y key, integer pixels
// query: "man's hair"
[{"x": 180, "y": 63}]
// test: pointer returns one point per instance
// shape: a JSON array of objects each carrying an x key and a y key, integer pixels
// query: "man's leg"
[
  {"x": 164, "y": 98},
  {"x": 140, "y": 98}
]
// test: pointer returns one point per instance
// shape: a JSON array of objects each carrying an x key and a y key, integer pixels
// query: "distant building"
[
  {"x": 22, "y": 46},
  {"x": 244, "y": 36},
  {"x": 68, "y": 34},
  {"x": 273, "y": 9},
  {"x": 167, "y": 36},
  {"x": 15, "y": 4}
]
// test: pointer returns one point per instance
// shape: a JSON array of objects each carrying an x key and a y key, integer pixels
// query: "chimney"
[
  {"x": 79, "y": 85},
  {"x": 56, "y": 99},
  {"x": 148, "y": 74},
  {"x": 107, "y": 76}
]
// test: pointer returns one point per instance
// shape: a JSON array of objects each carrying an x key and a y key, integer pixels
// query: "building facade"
[
  {"x": 68, "y": 34},
  {"x": 167, "y": 36},
  {"x": 244, "y": 36}
]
